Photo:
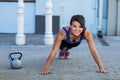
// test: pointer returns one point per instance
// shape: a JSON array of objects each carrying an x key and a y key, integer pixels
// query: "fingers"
[
  {"x": 102, "y": 71},
  {"x": 46, "y": 73}
]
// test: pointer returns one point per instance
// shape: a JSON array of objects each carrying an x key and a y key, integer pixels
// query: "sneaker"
[
  {"x": 67, "y": 55},
  {"x": 64, "y": 54},
  {"x": 61, "y": 55}
]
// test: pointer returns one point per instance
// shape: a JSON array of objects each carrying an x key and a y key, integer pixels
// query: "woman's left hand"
[{"x": 102, "y": 71}]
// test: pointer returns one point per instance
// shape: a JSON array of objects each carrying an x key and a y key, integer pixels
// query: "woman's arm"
[
  {"x": 59, "y": 38},
  {"x": 90, "y": 41}
]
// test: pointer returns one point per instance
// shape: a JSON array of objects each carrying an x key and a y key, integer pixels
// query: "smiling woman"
[
  {"x": 16, "y": 0},
  {"x": 69, "y": 37}
]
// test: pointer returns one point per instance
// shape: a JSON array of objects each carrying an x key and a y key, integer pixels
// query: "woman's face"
[{"x": 76, "y": 28}]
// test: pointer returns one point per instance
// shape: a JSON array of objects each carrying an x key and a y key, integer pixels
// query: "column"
[
  {"x": 62, "y": 6},
  {"x": 112, "y": 18},
  {"x": 20, "y": 37},
  {"x": 48, "y": 37},
  {"x": 118, "y": 19},
  {"x": 100, "y": 19}
]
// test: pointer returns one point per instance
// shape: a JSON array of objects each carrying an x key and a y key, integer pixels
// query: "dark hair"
[{"x": 80, "y": 19}]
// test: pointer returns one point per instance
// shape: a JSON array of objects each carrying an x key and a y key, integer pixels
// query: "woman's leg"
[
  {"x": 67, "y": 53},
  {"x": 64, "y": 47},
  {"x": 61, "y": 54},
  {"x": 62, "y": 50}
]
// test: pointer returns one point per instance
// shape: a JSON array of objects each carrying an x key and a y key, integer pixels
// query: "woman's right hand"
[{"x": 45, "y": 72}]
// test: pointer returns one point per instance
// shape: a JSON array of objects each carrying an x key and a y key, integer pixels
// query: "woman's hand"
[
  {"x": 102, "y": 71},
  {"x": 46, "y": 72}
]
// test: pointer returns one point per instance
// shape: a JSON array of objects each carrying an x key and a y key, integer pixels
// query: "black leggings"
[{"x": 68, "y": 45}]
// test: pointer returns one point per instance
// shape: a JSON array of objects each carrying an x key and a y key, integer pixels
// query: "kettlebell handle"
[{"x": 16, "y": 53}]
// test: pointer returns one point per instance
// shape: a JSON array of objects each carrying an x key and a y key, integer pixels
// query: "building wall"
[
  {"x": 8, "y": 17},
  {"x": 112, "y": 12},
  {"x": 40, "y": 16},
  {"x": 113, "y": 27},
  {"x": 61, "y": 8},
  {"x": 66, "y": 9},
  {"x": 105, "y": 16}
]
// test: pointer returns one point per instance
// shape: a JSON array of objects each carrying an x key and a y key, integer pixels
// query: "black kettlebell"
[{"x": 15, "y": 62}]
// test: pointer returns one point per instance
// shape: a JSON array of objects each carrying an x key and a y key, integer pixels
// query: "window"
[{"x": 16, "y": 0}]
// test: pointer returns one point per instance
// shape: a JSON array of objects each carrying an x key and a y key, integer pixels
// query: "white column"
[
  {"x": 100, "y": 18},
  {"x": 62, "y": 6},
  {"x": 48, "y": 38},
  {"x": 20, "y": 37}
]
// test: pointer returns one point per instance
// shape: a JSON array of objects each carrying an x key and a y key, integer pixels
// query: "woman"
[{"x": 69, "y": 37}]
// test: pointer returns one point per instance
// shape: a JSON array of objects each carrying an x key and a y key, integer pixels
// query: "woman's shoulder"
[
  {"x": 87, "y": 33},
  {"x": 66, "y": 27},
  {"x": 61, "y": 34}
]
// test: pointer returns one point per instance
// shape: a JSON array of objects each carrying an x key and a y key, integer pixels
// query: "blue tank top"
[{"x": 68, "y": 37}]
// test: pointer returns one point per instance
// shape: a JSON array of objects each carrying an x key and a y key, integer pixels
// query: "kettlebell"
[{"x": 15, "y": 62}]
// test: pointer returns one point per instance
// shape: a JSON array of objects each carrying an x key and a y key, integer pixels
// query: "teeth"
[{"x": 77, "y": 32}]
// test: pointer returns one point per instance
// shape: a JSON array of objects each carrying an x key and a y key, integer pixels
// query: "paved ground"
[{"x": 81, "y": 66}]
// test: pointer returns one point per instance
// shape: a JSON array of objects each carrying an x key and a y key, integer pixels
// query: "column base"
[
  {"x": 48, "y": 39},
  {"x": 20, "y": 39}
]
